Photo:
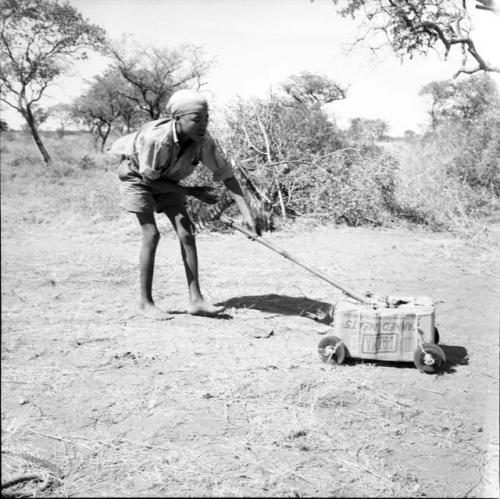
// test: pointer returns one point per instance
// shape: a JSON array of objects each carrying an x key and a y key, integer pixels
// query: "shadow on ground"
[
  {"x": 322, "y": 312},
  {"x": 284, "y": 305},
  {"x": 455, "y": 356}
]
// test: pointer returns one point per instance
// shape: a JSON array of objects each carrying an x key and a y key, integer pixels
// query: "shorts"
[{"x": 137, "y": 197}]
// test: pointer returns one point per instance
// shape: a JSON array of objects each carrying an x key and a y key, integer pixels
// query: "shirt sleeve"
[
  {"x": 123, "y": 146},
  {"x": 213, "y": 159},
  {"x": 153, "y": 157}
]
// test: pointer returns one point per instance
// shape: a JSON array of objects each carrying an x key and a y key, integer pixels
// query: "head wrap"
[{"x": 185, "y": 102}]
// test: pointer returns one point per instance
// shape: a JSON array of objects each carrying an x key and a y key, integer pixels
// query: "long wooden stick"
[{"x": 230, "y": 223}]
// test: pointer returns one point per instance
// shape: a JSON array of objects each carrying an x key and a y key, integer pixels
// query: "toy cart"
[
  {"x": 391, "y": 329},
  {"x": 405, "y": 331}
]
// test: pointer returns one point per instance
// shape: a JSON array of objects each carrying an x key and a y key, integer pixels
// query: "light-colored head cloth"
[{"x": 185, "y": 102}]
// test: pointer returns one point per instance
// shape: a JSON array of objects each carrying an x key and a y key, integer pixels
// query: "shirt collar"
[{"x": 174, "y": 133}]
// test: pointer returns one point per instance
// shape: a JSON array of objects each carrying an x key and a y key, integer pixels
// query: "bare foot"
[
  {"x": 151, "y": 311},
  {"x": 205, "y": 308}
]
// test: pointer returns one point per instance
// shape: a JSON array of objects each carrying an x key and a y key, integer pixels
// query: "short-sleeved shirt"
[{"x": 154, "y": 152}]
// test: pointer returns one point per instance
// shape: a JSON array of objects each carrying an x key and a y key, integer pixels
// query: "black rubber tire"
[
  {"x": 340, "y": 353},
  {"x": 438, "y": 357}
]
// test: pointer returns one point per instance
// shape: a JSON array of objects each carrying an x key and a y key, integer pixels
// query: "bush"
[
  {"x": 451, "y": 178},
  {"x": 476, "y": 161},
  {"x": 294, "y": 162},
  {"x": 429, "y": 193}
]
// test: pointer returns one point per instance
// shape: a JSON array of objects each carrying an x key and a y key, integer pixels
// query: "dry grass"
[
  {"x": 81, "y": 182},
  {"x": 197, "y": 408},
  {"x": 200, "y": 407},
  {"x": 324, "y": 442}
]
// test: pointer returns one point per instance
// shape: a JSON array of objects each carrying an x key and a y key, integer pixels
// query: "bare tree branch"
[
  {"x": 153, "y": 73},
  {"x": 413, "y": 26}
]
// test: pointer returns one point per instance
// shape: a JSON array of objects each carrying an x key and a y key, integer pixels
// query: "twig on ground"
[
  {"x": 394, "y": 402},
  {"x": 429, "y": 390},
  {"x": 54, "y": 437}
]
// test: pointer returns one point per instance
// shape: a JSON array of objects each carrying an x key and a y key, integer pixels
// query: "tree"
[
  {"x": 153, "y": 74},
  {"x": 3, "y": 126},
  {"x": 410, "y": 27},
  {"x": 38, "y": 39},
  {"x": 40, "y": 116},
  {"x": 101, "y": 105},
  {"x": 130, "y": 114},
  {"x": 363, "y": 128},
  {"x": 313, "y": 89},
  {"x": 460, "y": 101},
  {"x": 63, "y": 114},
  {"x": 465, "y": 121}
]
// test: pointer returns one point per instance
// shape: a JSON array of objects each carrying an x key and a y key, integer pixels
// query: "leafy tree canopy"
[
  {"x": 102, "y": 104},
  {"x": 364, "y": 128},
  {"x": 313, "y": 89},
  {"x": 461, "y": 101}
]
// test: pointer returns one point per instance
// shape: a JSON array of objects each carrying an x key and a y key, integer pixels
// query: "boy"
[{"x": 154, "y": 160}]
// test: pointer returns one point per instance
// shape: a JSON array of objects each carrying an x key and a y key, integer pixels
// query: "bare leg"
[
  {"x": 179, "y": 218},
  {"x": 150, "y": 239}
]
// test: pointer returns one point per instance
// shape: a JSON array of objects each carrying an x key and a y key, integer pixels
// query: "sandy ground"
[{"x": 242, "y": 405}]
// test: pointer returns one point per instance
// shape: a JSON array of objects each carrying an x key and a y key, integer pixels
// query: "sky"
[{"x": 257, "y": 44}]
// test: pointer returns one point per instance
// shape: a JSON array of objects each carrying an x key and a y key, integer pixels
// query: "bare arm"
[
  {"x": 163, "y": 185},
  {"x": 234, "y": 188}
]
